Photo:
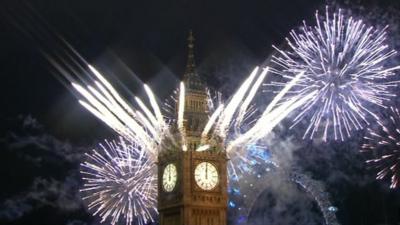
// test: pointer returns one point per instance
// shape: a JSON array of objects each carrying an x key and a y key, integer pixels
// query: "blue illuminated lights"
[
  {"x": 256, "y": 164},
  {"x": 333, "y": 209}
]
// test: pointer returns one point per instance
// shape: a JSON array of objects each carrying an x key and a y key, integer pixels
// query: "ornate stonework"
[{"x": 189, "y": 204}]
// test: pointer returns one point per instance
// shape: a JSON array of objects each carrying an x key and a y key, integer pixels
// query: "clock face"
[
  {"x": 169, "y": 177},
  {"x": 206, "y": 176}
]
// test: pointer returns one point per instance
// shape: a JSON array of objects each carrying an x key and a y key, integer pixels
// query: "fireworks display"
[
  {"x": 141, "y": 126},
  {"x": 147, "y": 128},
  {"x": 334, "y": 78},
  {"x": 335, "y": 72},
  {"x": 383, "y": 147},
  {"x": 344, "y": 62},
  {"x": 150, "y": 128},
  {"x": 120, "y": 183}
]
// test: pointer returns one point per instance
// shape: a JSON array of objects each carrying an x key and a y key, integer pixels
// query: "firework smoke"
[
  {"x": 344, "y": 62},
  {"x": 383, "y": 147},
  {"x": 317, "y": 191},
  {"x": 257, "y": 176},
  {"x": 120, "y": 183}
]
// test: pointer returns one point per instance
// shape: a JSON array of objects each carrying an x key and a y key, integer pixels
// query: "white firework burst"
[
  {"x": 345, "y": 62},
  {"x": 120, "y": 183},
  {"x": 382, "y": 144}
]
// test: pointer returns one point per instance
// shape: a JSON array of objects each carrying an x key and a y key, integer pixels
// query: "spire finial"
[
  {"x": 190, "y": 39},
  {"x": 190, "y": 63},
  {"x": 191, "y": 78}
]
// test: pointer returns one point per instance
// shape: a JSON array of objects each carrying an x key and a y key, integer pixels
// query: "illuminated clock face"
[
  {"x": 206, "y": 176},
  {"x": 169, "y": 177}
]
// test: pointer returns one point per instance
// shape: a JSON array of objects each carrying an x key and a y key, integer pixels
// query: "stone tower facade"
[{"x": 192, "y": 185}]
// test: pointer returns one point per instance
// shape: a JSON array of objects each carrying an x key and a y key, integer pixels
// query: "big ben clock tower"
[{"x": 192, "y": 185}]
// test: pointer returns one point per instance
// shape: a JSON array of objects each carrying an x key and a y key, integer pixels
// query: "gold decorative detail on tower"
[
  {"x": 192, "y": 185},
  {"x": 190, "y": 65}
]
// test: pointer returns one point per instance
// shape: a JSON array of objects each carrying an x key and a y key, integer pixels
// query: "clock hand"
[{"x": 206, "y": 171}]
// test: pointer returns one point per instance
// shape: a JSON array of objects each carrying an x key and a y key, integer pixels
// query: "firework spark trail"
[
  {"x": 280, "y": 95},
  {"x": 181, "y": 108},
  {"x": 237, "y": 105},
  {"x": 213, "y": 100},
  {"x": 383, "y": 146},
  {"x": 147, "y": 124},
  {"x": 120, "y": 182},
  {"x": 266, "y": 124},
  {"x": 156, "y": 108},
  {"x": 102, "y": 112},
  {"x": 211, "y": 122},
  {"x": 150, "y": 129},
  {"x": 253, "y": 91},
  {"x": 147, "y": 112},
  {"x": 261, "y": 127},
  {"x": 181, "y": 111},
  {"x": 203, "y": 148},
  {"x": 114, "y": 116},
  {"x": 227, "y": 115},
  {"x": 345, "y": 62},
  {"x": 271, "y": 116},
  {"x": 109, "y": 106}
]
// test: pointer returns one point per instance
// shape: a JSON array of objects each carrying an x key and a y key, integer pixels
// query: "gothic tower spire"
[
  {"x": 190, "y": 64},
  {"x": 191, "y": 77},
  {"x": 192, "y": 184}
]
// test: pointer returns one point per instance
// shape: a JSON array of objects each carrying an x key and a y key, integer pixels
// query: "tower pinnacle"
[
  {"x": 192, "y": 185},
  {"x": 190, "y": 64},
  {"x": 191, "y": 78}
]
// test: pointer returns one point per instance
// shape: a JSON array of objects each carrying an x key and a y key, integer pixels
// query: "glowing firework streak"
[
  {"x": 114, "y": 93},
  {"x": 245, "y": 105},
  {"x": 150, "y": 129},
  {"x": 211, "y": 122},
  {"x": 203, "y": 148},
  {"x": 147, "y": 112},
  {"x": 239, "y": 103},
  {"x": 181, "y": 111},
  {"x": 101, "y": 111},
  {"x": 383, "y": 146},
  {"x": 120, "y": 183},
  {"x": 147, "y": 124},
  {"x": 344, "y": 61},
  {"x": 231, "y": 108},
  {"x": 271, "y": 116},
  {"x": 135, "y": 126},
  {"x": 155, "y": 106},
  {"x": 109, "y": 106}
]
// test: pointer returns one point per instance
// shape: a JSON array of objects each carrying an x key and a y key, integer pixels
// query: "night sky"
[{"x": 45, "y": 131}]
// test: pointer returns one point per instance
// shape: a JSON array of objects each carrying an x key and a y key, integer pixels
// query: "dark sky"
[
  {"x": 149, "y": 37},
  {"x": 145, "y": 35}
]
